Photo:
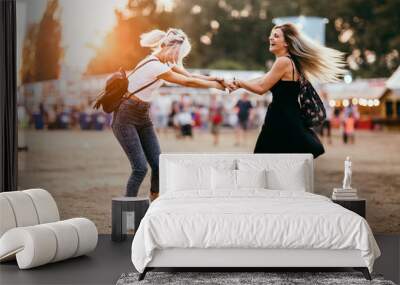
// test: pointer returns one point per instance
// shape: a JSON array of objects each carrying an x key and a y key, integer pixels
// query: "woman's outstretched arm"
[
  {"x": 188, "y": 81},
  {"x": 262, "y": 84},
  {"x": 183, "y": 71}
]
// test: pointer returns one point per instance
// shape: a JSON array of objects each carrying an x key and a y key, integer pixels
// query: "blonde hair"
[
  {"x": 312, "y": 59},
  {"x": 173, "y": 42}
]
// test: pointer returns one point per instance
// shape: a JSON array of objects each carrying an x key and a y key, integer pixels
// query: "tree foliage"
[
  {"x": 366, "y": 30},
  {"x": 227, "y": 34},
  {"x": 375, "y": 41},
  {"x": 42, "y": 52},
  {"x": 28, "y": 55}
]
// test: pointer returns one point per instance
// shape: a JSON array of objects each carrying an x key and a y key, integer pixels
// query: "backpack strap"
[
  {"x": 292, "y": 70},
  {"x": 291, "y": 61},
  {"x": 139, "y": 66},
  {"x": 145, "y": 86},
  {"x": 142, "y": 88}
]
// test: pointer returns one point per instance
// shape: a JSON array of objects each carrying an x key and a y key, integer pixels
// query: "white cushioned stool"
[{"x": 31, "y": 230}]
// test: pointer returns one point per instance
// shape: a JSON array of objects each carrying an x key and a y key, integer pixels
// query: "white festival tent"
[
  {"x": 366, "y": 92},
  {"x": 393, "y": 82}
]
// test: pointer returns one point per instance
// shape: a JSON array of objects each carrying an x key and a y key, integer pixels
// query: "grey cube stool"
[{"x": 123, "y": 209}]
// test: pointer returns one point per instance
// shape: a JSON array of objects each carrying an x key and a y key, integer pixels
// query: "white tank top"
[{"x": 146, "y": 74}]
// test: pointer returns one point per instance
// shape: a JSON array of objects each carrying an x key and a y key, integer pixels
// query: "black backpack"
[
  {"x": 116, "y": 90},
  {"x": 312, "y": 109}
]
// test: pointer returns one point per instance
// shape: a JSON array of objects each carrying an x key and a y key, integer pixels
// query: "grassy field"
[{"x": 84, "y": 170}]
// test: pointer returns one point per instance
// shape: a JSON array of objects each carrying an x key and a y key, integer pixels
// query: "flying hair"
[{"x": 313, "y": 60}]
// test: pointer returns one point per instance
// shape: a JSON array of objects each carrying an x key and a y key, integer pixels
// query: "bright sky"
[{"x": 84, "y": 23}]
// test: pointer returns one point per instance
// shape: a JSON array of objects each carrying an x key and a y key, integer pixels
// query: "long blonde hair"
[
  {"x": 312, "y": 59},
  {"x": 170, "y": 43}
]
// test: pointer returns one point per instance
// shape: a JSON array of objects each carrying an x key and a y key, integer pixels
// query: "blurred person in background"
[
  {"x": 52, "y": 117},
  {"x": 63, "y": 117},
  {"x": 98, "y": 121},
  {"x": 216, "y": 118},
  {"x": 74, "y": 117},
  {"x": 326, "y": 125},
  {"x": 243, "y": 109},
  {"x": 352, "y": 109},
  {"x": 84, "y": 117},
  {"x": 349, "y": 124},
  {"x": 39, "y": 116},
  {"x": 185, "y": 122},
  {"x": 197, "y": 122},
  {"x": 204, "y": 115},
  {"x": 175, "y": 109},
  {"x": 160, "y": 108}
]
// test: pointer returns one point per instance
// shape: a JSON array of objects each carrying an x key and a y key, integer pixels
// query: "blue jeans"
[{"x": 134, "y": 131}]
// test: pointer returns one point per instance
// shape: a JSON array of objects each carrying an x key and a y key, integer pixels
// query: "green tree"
[
  {"x": 234, "y": 32},
  {"x": 366, "y": 30},
  {"x": 243, "y": 30}
]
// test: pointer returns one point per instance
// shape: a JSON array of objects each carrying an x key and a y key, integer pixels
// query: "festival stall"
[
  {"x": 390, "y": 99},
  {"x": 363, "y": 95}
]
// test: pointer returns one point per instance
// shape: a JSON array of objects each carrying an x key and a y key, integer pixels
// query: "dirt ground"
[{"x": 83, "y": 170}]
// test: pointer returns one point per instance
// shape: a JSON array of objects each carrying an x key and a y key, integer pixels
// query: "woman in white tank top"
[{"x": 132, "y": 125}]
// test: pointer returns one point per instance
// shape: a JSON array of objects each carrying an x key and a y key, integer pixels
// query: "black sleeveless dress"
[{"x": 283, "y": 130}]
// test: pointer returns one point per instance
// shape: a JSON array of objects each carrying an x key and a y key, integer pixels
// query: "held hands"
[
  {"x": 122, "y": 73},
  {"x": 231, "y": 85}
]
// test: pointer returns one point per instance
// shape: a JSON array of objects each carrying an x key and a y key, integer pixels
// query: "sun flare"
[
  {"x": 165, "y": 5},
  {"x": 84, "y": 26}
]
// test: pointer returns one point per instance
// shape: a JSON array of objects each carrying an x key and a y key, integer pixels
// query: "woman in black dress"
[{"x": 283, "y": 130}]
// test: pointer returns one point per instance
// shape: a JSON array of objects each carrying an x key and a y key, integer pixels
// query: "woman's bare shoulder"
[{"x": 282, "y": 61}]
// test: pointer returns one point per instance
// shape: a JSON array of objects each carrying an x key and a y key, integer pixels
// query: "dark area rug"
[{"x": 242, "y": 278}]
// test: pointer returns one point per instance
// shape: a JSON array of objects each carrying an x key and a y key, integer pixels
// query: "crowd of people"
[
  {"x": 183, "y": 116},
  {"x": 62, "y": 117}
]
